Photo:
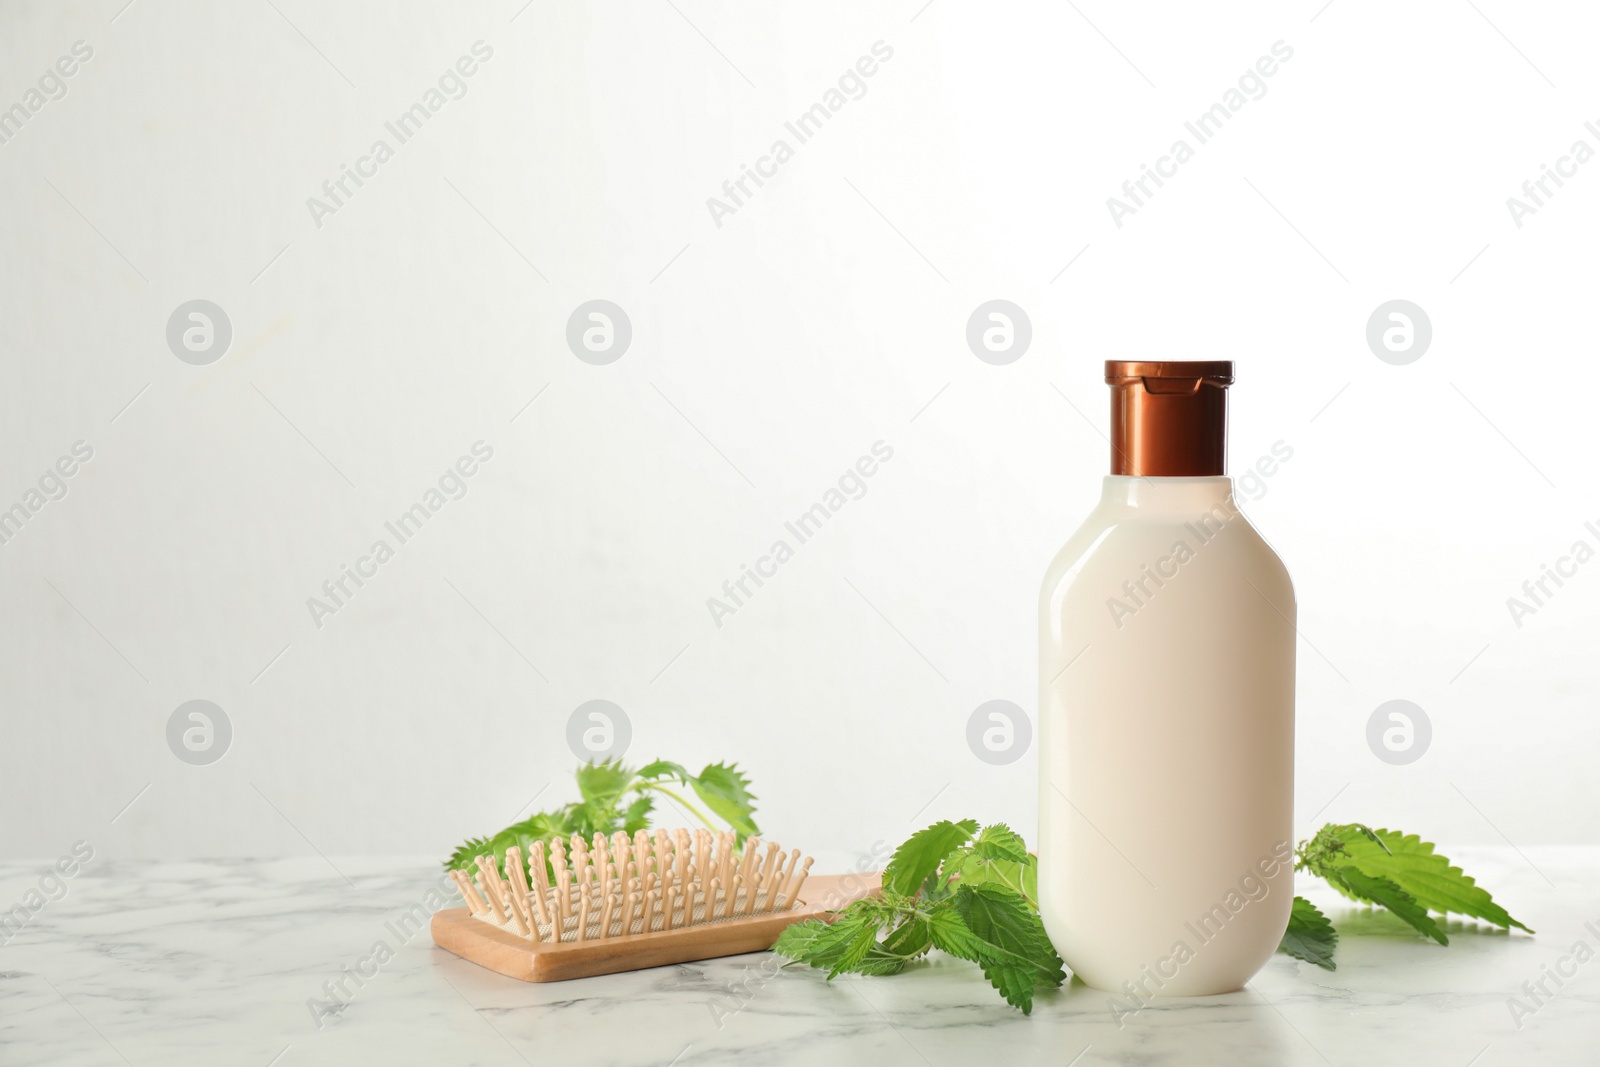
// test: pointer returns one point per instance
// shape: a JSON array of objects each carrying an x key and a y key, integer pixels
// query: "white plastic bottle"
[{"x": 1166, "y": 711}]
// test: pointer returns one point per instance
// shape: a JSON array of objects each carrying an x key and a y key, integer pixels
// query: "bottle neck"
[{"x": 1168, "y": 496}]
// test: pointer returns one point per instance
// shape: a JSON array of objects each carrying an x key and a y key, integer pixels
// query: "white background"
[{"x": 768, "y": 354}]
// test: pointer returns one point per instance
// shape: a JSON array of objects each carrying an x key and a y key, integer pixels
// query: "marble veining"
[{"x": 230, "y": 962}]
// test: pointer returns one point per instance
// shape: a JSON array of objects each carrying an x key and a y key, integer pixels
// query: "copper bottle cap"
[{"x": 1169, "y": 420}]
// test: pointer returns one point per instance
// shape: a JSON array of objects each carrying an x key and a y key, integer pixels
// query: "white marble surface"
[{"x": 214, "y": 963}]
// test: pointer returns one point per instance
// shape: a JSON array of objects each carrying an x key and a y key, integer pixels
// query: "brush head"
[{"x": 652, "y": 882}]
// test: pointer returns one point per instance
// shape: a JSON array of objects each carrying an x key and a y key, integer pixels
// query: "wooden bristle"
[
  {"x": 680, "y": 850},
  {"x": 619, "y": 886},
  {"x": 652, "y": 901},
  {"x": 628, "y": 900},
  {"x": 669, "y": 904},
  {"x": 702, "y": 850},
  {"x": 469, "y": 893},
  {"x": 725, "y": 858},
  {"x": 791, "y": 892},
  {"x": 518, "y": 879},
  {"x": 563, "y": 892},
  {"x": 540, "y": 889},
  {"x": 641, "y": 858},
  {"x": 764, "y": 879},
  {"x": 745, "y": 880}
]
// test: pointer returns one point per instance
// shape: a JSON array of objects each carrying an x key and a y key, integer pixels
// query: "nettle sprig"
[
  {"x": 968, "y": 892},
  {"x": 973, "y": 893},
  {"x": 616, "y": 797},
  {"x": 1400, "y": 872}
]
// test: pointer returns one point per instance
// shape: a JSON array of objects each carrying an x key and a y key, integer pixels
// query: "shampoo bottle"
[{"x": 1166, "y": 710}]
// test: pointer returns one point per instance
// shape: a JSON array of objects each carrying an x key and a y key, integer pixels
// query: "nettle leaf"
[
  {"x": 906, "y": 943},
  {"x": 1019, "y": 954},
  {"x": 601, "y": 784},
  {"x": 879, "y": 963},
  {"x": 662, "y": 768},
  {"x": 1310, "y": 936},
  {"x": 910, "y": 939},
  {"x": 603, "y": 787},
  {"x": 935, "y": 887},
  {"x": 996, "y": 855},
  {"x": 1000, "y": 842},
  {"x": 970, "y": 868},
  {"x": 922, "y": 854},
  {"x": 1005, "y": 920},
  {"x": 726, "y": 791},
  {"x": 636, "y": 816},
  {"x": 850, "y": 942},
  {"x": 466, "y": 854},
  {"x": 950, "y": 934},
  {"x": 950, "y": 887},
  {"x": 590, "y": 818},
  {"x": 835, "y": 947},
  {"x": 539, "y": 827},
  {"x": 1358, "y": 885},
  {"x": 1012, "y": 975},
  {"x": 1429, "y": 878},
  {"x": 1013, "y": 981},
  {"x": 722, "y": 787},
  {"x": 796, "y": 939}
]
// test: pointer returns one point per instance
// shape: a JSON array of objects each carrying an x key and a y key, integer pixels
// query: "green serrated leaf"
[
  {"x": 1357, "y": 884},
  {"x": 636, "y": 816},
  {"x": 1429, "y": 878},
  {"x": 934, "y": 887},
  {"x": 852, "y": 946},
  {"x": 1004, "y": 920},
  {"x": 922, "y": 853},
  {"x": 910, "y": 938},
  {"x": 970, "y": 868},
  {"x": 601, "y": 784},
  {"x": 603, "y": 787},
  {"x": 877, "y": 962},
  {"x": 1021, "y": 956},
  {"x": 661, "y": 768},
  {"x": 1310, "y": 936},
  {"x": 466, "y": 854},
  {"x": 726, "y": 791},
  {"x": 721, "y": 787},
  {"x": 835, "y": 947},
  {"x": 1367, "y": 832},
  {"x": 539, "y": 827},
  {"x": 950, "y": 934},
  {"x": 798, "y": 940},
  {"x": 953, "y": 887},
  {"x": 999, "y": 842}
]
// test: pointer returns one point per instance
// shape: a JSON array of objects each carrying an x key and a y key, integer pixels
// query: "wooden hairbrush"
[{"x": 624, "y": 903}]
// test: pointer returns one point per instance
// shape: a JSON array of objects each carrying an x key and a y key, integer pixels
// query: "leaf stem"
[
  {"x": 1017, "y": 889},
  {"x": 663, "y": 790}
]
